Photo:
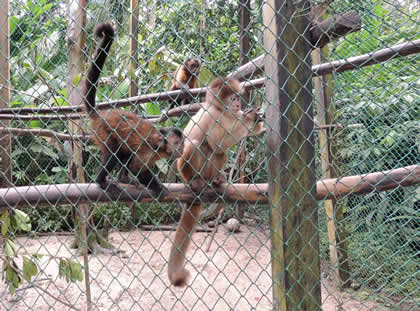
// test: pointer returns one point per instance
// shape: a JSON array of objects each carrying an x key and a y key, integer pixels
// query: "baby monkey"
[{"x": 186, "y": 77}]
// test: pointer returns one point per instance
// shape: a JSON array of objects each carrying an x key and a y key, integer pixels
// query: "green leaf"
[
  {"x": 62, "y": 269},
  {"x": 10, "y": 248},
  {"x": 153, "y": 108},
  {"x": 29, "y": 269},
  {"x": 12, "y": 277},
  {"x": 28, "y": 65},
  {"x": 75, "y": 271},
  {"x": 76, "y": 79},
  {"x": 5, "y": 224},
  {"x": 153, "y": 67},
  {"x": 14, "y": 21},
  {"x": 12, "y": 289},
  {"x": 35, "y": 124},
  {"x": 22, "y": 220},
  {"x": 59, "y": 101}
]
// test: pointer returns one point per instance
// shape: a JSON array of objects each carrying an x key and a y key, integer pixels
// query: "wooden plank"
[
  {"x": 5, "y": 139},
  {"x": 293, "y": 213}
]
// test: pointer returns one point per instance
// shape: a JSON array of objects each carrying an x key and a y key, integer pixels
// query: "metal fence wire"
[{"x": 301, "y": 140}]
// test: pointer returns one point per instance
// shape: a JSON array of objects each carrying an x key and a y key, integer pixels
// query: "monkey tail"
[{"x": 106, "y": 32}]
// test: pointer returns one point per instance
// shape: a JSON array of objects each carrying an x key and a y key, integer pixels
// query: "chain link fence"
[{"x": 310, "y": 181}]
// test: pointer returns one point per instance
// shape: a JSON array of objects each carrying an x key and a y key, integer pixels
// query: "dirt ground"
[{"x": 234, "y": 275}]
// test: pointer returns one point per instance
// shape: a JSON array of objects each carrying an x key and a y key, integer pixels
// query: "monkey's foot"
[
  {"x": 179, "y": 276},
  {"x": 197, "y": 185},
  {"x": 219, "y": 179},
  {"x": 112, "y": 189}
]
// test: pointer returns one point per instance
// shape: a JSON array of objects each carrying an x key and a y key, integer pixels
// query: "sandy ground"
[{"x": 233, "y": 275}]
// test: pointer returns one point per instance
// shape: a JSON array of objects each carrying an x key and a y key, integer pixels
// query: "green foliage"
[
  {"x": 11, "y": 222},
  {"x": 382, "y": 227},
  {"x": 71, "y": 270}
]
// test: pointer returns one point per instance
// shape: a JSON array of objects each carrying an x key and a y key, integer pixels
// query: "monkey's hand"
[
  {"x": 250, "y": 114},
  {"x": 253, "y": 115}
]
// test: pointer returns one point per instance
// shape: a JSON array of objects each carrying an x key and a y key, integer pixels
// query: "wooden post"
[
  {"x": 324, "y": 89},
  {"x": 293, "y": 214},
  {"x": 244, "y": 47},
  {"x": 76, "y": 38},
  {"x": 133, "y": 65},
  {"x": 134, "y": 34},
  {"x": 323, "y": 92},
  {"x": 5, "y": 139}
]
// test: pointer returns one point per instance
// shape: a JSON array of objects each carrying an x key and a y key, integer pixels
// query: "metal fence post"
[{"x": 293, "y": 215}]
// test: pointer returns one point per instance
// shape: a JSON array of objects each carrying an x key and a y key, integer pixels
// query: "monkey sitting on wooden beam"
[
  {"x": 185, "y": 77},
  {"x": 124, "y": 137},
  {"x": 218, "y": 125}
]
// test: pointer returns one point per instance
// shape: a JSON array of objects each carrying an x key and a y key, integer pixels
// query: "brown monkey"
[
  {"x": 218, "y": 126},
  {"x": 185, "y": 77},
  {"x": 124, "y": 137}
]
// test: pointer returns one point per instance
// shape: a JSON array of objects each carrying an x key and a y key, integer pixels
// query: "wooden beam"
[
  {"x": 357, "y": 62},
  {"x": 253, "y": 193},
  {"x": 256, "y": 66},
  {"x": 44, "y": 133},
  {"x": 253, "y": 68},
  {"x": 334, "y": 27}
]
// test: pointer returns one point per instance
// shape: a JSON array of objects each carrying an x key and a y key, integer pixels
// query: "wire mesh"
[{"x": 365, "y": 120}]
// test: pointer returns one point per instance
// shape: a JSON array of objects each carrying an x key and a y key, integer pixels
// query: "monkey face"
[
  {"x": 234, "y": 103},
  {"x": 174, "y": 141},
  {"x": 193, "y": 65}
]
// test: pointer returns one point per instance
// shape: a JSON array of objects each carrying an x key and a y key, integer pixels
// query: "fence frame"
[{"x": 282, "y": 296}]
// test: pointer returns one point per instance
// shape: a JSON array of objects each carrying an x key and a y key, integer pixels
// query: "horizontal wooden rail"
[
  {"x": 250, "y": 69},
  {"x": 252, "y": 193}
]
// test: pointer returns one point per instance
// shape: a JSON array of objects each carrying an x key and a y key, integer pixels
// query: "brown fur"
[
  {"x": 218, "y": 126},
  {"x": 185, "y": 77},
  {"x": 125, "y": 138}
]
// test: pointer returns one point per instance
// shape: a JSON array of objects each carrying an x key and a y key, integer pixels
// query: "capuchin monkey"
[
  {"x": 186, "y": 77},
  {"x": 124, "y": 137},
  {"x": 209, "y": 135}
]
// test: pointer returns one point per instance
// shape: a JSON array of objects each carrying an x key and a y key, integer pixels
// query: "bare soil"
[{"x": 234, "y": 275}]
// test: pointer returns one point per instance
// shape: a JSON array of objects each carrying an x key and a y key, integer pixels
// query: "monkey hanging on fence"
[
  {"x": 185, "y": 77},
  {"x": 217, "y": 126},
  {"x": 124, "y": 137}
]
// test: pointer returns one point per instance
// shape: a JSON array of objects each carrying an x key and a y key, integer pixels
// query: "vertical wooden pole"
[
  {"x": 134, "y": 34},
  {"x": 76, "y": 38},
  {"x": 244, "y": 47},
  {"x": 293, "y": 214},
  {"x": 5, "y": 139},
  {"x": 244, "y": 20},
  {"x": 133, "y": 65},
  {"x": 203, "y": 20},
  {"x": 325, "y": 112}
]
